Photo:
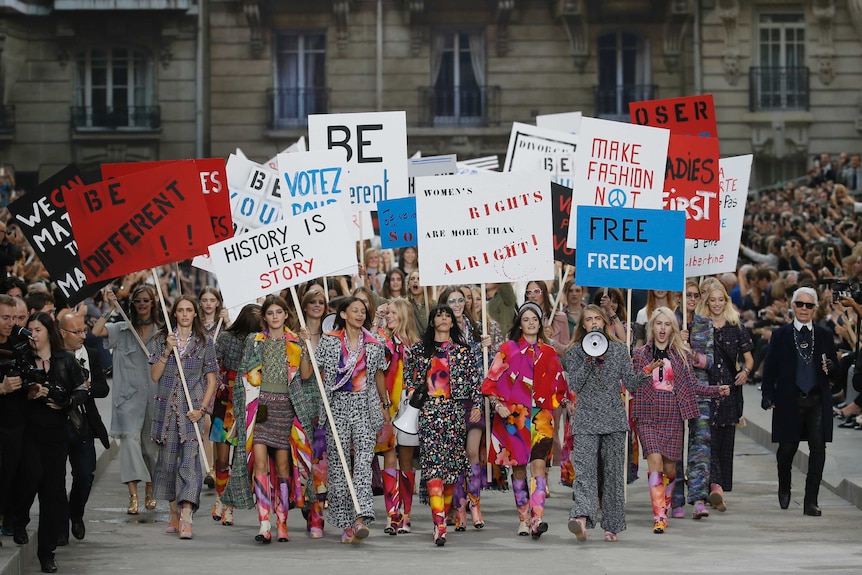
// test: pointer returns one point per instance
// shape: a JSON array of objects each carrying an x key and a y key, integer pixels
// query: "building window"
[
  {"x": 459, "y": 92},
  {"x": 300, "y": 79},
  {"x": 114, "y": 90},
  {"x": 780, "y": 80},
  {"x": 624, "y": 75}
]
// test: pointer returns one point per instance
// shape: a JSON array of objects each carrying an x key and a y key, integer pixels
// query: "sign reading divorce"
[
  {"x": 397, "y": 222},
  {"x": 312, "y": 179},
  {"x": 42, "y": 217},
  {"x": 630, "y": 248},
  {"x": 373, "y": 147},
  {"x": 688, "y": 116},
  {"x": 283, "y": 254},
  {"x": 707, "y": 257},
  {"x": 213, "y": 177},
  {"x": 532, "y": 149},
  {"x": 691, "y": 184},
  {"x": 618, "y": 165},
  {"x": 484, "y": 228},
  {"x": 139, "y": 221}
]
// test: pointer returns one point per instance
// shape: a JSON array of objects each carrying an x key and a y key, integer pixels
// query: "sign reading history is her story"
[{"x": 484, "y": 228}]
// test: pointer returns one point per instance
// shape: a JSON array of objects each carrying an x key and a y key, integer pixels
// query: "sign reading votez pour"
[
  {"x": 630, "y": 248},
  {"x": 283, "y": 254},
  {"x": 618, "y": 165},
  {"x": 706, "y": 257},
  {"x": 493, "y": 227},
  {"x": 312, "y": 179},
  {"x": 374, "y": 149}
]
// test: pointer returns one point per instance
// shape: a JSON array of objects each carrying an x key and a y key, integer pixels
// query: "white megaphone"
[
  {"x": 595, "y": 343},
  {"x": 328, "y": 323},
  {"x": 407, "y": 420}
]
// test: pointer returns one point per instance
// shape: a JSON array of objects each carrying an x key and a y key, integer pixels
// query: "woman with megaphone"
[
  {"x": 599, "y": 371},
  {"x": 525, "y": 384}
]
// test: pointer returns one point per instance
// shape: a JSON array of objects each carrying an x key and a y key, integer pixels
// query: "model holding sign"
[
  {"x": 599, "y": 426},
  {"x": 214, "y": 318},
  {"x": 556, "y": 326},
  {"x": 178, "y": 475},
  {"x": 443, "y": 369},
  {"x": 351, "y": 360},
  {"x": 525, "y": 385}
]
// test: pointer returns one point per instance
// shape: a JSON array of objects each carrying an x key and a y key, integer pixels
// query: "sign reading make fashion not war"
[
  {"x": 312, "y": 179},
  {"x": 493, "y": 227},
  {"x": 707, "y": 257},
  {"x": 618, "y": 165},
  {"x": 139, "y": 221},
  {"x": 688, "y": 116},
  {"x": 374, "y": 150},
  {"x": 691, "y": 184},
  {"x": 532, "y": 148},
  {"x": 284, "y": 254},
  {"x": 42, "y": 217},
  {"x": 630, "y": 248}
]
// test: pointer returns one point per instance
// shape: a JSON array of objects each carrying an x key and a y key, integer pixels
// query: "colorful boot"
[
  {"x": 173, "y": 518},
  {"x": 282, "y": 504},
  {"x": 716, "y": 497},
  {"x": 315, "y": 520},
  {"x": 459, "y": 497},
  {"x": 522, "y": 502},
  {"x": 392, "y": 500},
  {"x": 438, "y": 510},
  {"x": 537, "y": 506},
  {"x": 656, "y": 493},
  {"x": 452, "y": 512},
  {"x": 669, "y": 486},
  {"x": 474, "y": 491},
  {"x": 406, "y": 484},
  {"x": 264, "y": 504},
  {"x": 186, "y": 523}
]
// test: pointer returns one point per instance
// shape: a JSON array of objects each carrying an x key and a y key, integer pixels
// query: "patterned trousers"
[
  {"x": 178, "y": 475},
  {"x": 721, "y": 462},
  {"x": 699, "y": 449},
  {"x": 353, "y": 422},
  {"x": 587, "y": 451}
]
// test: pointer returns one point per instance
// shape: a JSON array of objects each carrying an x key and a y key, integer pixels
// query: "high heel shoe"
[
  {"x": 133, "y": 505},
  {"x": 149, "y": 502}
]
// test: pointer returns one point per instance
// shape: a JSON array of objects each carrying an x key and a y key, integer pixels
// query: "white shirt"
[{"x": 797, "y": 325}]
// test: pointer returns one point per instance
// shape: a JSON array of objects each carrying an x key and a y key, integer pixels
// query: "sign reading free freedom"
[{"x": 630, "y": 248}]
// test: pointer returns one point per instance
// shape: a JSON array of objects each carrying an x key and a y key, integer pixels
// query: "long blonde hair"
[
  {"x": 730, "y": 315},
  {"x": 675, "y": 339},
  {"x": 406, "y": 330}
]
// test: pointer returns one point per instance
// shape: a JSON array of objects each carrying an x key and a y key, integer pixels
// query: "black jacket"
[{"x": 98, "y": 389}]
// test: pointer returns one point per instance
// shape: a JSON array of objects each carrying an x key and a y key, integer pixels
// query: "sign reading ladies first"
[
  {"x": 374, "y": 148},
  {"x": 493, "y": 227}
]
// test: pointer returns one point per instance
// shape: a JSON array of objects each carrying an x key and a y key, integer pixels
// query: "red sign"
[
  {"x": 689, "y": 116},
  {"x": 691, "y": 184},
  {"x": 213, "y": 180},
  {"x": 139, "y": 221}
]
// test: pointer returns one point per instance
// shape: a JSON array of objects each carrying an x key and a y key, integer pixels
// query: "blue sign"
[
  {"x": 397, "y": 222},
  {"x": 630, "y": 248}
]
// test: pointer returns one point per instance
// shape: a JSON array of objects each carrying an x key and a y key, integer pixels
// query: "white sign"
[
  {"x": 493, "y": 227},
  {"x": 618, "y": 165},
  {"x": 569, "y": 122},
  {"x": 286, "y": 253},
  {"x": 705, "y": 257},
  {"x": 298, "y": 146},
  {"x": 431, "y": 166},
  {"x": 530, "y": 147},
  {"x": 312, "y": 179},
  {"x": 374, "y": 149},
  {"x": 255, "y": 195}
]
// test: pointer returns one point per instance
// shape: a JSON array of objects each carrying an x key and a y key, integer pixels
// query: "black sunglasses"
[{"x": 805, "y": 304}]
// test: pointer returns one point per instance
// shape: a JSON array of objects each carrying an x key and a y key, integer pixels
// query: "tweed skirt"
[{"x": 275, "y": 431}]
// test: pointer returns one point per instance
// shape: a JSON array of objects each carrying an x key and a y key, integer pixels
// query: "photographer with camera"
[
  {"x": 84, "y": 424},
  {"x": 55, "y": 384},
  {"x": 13, "y": 409}
]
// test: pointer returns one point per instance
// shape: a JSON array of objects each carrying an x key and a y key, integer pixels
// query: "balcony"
[
  {"x": 289, "y": 108},
  {"x": 778, "y": 89},
  {"x": 612, "y": 102},
  {"x": 116, "y": 119},
  {"x": 183, "y": 5},
  {"x": 7, "y": 119},
  {"x": 477, "y": 106}
]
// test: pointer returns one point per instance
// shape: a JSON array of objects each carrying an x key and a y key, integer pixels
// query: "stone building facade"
[{"x": 96, "y": 81}]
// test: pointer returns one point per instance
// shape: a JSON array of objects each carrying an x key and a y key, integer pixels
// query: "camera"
[
  {"x": 22, "y": 363},
  {"x": 844, "y": 287}
]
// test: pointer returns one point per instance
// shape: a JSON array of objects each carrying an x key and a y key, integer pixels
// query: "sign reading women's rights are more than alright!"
[{"x": 493, "y": 227}]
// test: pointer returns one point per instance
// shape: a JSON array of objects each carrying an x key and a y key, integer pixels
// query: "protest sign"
[
  {"x": 283, "y": 254},
  {"x": 691, "y": 184},
  {"x": 618, "y": 165},
  {"x": 484, "y": 228},
  {"x": 374, "y": 149},
  {"x": 569, "y": 122},
  {"x": 42, "y": 217},
  {"x": 312, "y": 179},
  {"x": 706, "y": 257},
  {"x": 430, "y": 166},
  {"x": 145, "y": 219},
  {"x": 397, "y": 222},
  {"x": 213, "y": 178},
  {"x": 562, "y": 213},
  {"x": 630, "y": 248},
  {"x": 532, "y": 148},
  {"x": 298, "y": 146},
  {"x": 687, "y": 116},
  {"x": 255, "y": 194}
]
